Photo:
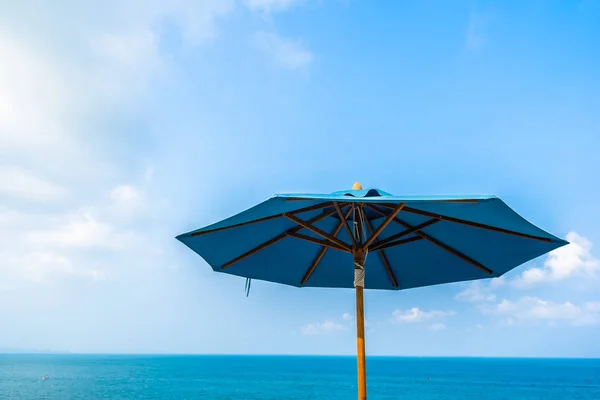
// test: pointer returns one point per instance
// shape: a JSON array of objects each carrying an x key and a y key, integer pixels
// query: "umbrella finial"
[{"x": 357, "y": 186}]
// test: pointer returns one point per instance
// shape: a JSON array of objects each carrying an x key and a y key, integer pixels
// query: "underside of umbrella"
[
  {"x": 308, "y": 240},
  {"x": 410, "y": 241}
]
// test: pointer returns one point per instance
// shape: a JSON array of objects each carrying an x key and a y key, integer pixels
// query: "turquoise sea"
[{"x": 293, "y": 377}]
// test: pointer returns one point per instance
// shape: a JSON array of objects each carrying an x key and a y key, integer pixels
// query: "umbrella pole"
[
  {"x": 359, "y": 283},
  {"x": 360, "y": 344},
  {"x": 359, "y": 261}
]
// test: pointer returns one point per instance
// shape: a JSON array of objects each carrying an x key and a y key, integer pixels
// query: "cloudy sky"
[{"x": 125, "y": 123}]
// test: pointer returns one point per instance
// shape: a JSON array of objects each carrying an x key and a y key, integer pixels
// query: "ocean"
[{"x": 293, "y": 377}]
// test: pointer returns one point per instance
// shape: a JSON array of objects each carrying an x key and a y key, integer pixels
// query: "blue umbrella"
[{"x": 317, "y": 240}]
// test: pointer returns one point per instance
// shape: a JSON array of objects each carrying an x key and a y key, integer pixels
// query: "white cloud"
[
  {"x": 83, "y": 230},
  {"x": 572, "y": 260},
  {"x": 125, "y": 195},
  {"x": 438, "y": 326},
  {"x": 45, "y": 96},
  {"x": 285, "y": 53},
  {"x": 149, "y": 175},
  {"x": 33, "y": 98},
  {"x": 69, "y": 76},
  {"x": 43, "y": 266},
  {"x": 124, "y": 62},
  {"x": 8, "y": 218},
  {"x": 497, "y": 282},
  {"x": 573, "y": 263},
  {"x": 416, "y": 315},
  {"x": 197, "y": 20},
  {"x": 476, "y": 293},
  {"x": 17, "y": 182},
  {"x": 69, "y": 67},
  {"x": 476, "y": 38},
  {"x": 327, "y": 326},
  {"x": 534, "y": 310},
  {"x": 348, "y": 317},
  {"x": 270, "y": 5}
]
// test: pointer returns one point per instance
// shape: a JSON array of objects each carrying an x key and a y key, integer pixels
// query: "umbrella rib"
[
  {"x": 380, "y": 247},
  {"x": 476, "y": 224},
  {"x": 472, "y": 224},
  {"x": 318, "y": 241},
  {"x": 438, "y": 243},
  {"x": 383, "y": 257},
  {"x": 318, "y": 231},
  {"x": 383, "y": 225},
  {"x": 384, "y": 243},
  {"x": 345, "y": 224},
  {"x": 323, "y": 250},
  {"x": 275, "y": 240},
  {"x": 472, "y": 201},
  {"x": 301, "y": 210},
  {"x": 312, "y": 208}
]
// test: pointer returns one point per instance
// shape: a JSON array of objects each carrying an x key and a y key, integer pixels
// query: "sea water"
[{"x": 293, "y": 377}]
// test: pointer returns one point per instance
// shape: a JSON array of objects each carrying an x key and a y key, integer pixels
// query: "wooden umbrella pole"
[
  {"x": 358, "y": 251},
  {"x": 359, "y": 260},
  {"x": 360, "y": 344}
]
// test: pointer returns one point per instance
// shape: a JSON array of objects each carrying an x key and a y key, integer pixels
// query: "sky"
[{"x": 126, "y": 124}]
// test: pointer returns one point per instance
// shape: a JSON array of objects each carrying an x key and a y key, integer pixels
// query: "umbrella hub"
[{"x": 359, "y": 256}]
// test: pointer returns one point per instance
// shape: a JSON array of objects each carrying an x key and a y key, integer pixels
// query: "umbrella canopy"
[
  {"x": 302, "y": 240},
  {"x": 323, "y": 240}
]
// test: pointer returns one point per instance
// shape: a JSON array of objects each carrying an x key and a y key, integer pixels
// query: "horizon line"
[{"x": 69, "y": 353}]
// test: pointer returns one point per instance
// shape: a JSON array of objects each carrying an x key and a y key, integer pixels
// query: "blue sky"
[{"x": 124, "y": 126}]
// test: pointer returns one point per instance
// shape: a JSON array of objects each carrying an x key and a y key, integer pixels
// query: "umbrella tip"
[{"x": 357, "y": 186}]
